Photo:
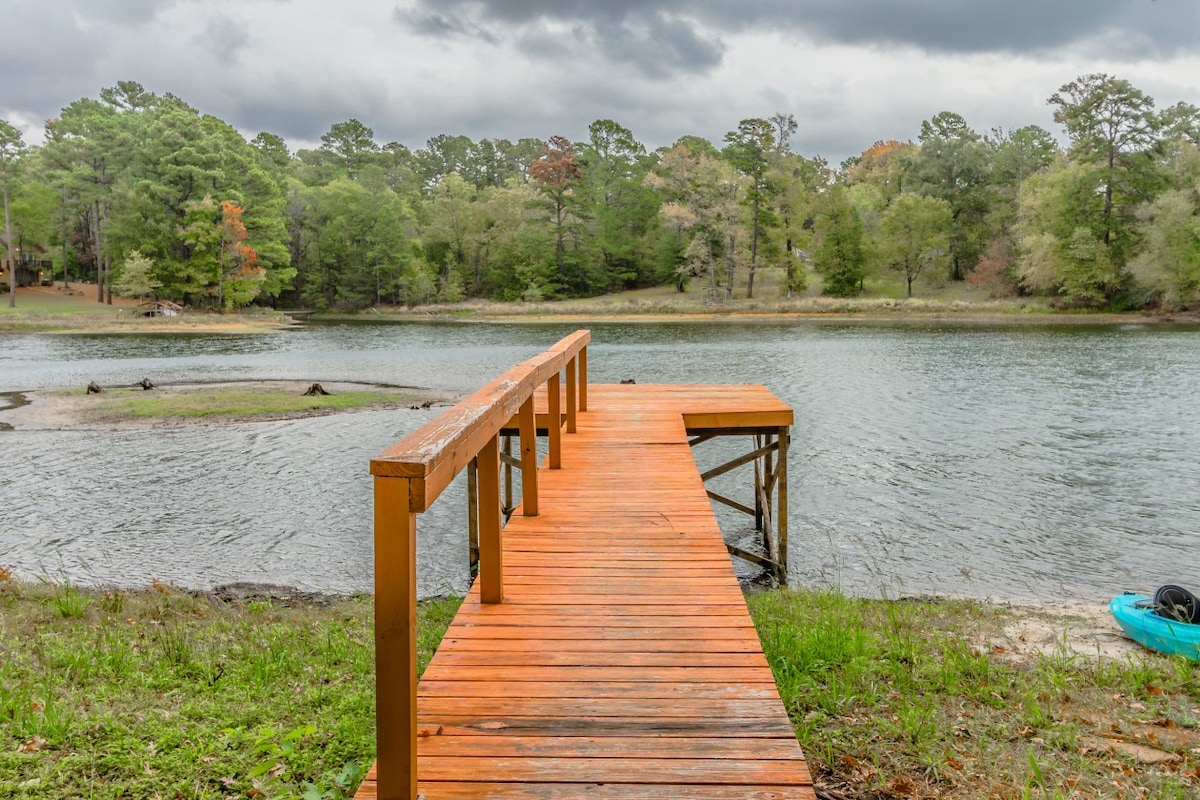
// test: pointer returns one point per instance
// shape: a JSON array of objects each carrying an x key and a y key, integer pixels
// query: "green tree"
[
  {"x": 916, "y": 235},
  {"x": 747, "y": 149},
  {"x": 349, "y": 243},
  {"x": 11, "y": 146},
  {"x": 351, "y": 145},
  {"x": 1021, "y": 153},
  {"x": 1113, "y": 125},
  {"x": 450, "y": 229},
  {"x": 700, "y": 192},
  {"x": 1060, "y": 210},
  {"x": 90, "y": 147},
  {"x": 274, "y": 152},
  {"x": 1170, "y": 263},
  {"x": 620, "y": 208},
  {"x": 801, "y": 185},
  {"x": 135, "y": 277},
  {"x": 884, "y": 170},
  {"x": 953, "y": 165},
  {"x": 841, "y": 254}
]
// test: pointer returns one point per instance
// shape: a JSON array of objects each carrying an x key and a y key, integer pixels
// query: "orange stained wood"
[
  {"x": 622, "y": 662},
  {"x": 434, "y": 453},
  {"x": 714, "y": 407}
]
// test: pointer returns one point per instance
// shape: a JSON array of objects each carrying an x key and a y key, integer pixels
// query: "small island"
[{"x": 132, "y": 406}]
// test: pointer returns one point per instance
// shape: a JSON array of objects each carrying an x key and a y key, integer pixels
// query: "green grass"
[
  {"x": 909, "y": 699},
  {"x": 884, "y": 297},
  {"x": 167, "y": 694},
  {"x": 163, "y": 693},
  {"x": 49, "y": 309}
]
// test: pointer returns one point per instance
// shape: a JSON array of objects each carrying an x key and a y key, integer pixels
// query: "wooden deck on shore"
[{"x": 622, "y": 662}]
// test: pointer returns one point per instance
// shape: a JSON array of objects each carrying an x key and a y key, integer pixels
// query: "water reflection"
[{"x": 999, "y": 462}]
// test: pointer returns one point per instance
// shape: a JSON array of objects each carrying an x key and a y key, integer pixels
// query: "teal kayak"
[{"x": 1135, "y": 614}]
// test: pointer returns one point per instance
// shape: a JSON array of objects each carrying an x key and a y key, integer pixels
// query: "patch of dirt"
[
  {"x": 242, "y": 593},
  {"x": 1068, "y": 629}
]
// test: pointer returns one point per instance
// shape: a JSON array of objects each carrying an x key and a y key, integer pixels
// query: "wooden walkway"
[{"x": 622, "y": 662}]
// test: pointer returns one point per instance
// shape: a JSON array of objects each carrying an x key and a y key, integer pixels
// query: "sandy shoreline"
[{"x": 53, "y": 310}]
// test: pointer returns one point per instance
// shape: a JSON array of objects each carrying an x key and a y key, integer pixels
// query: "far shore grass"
[
  {"x": 49, "y": 310},
  {"x": 167, "y": 693}
]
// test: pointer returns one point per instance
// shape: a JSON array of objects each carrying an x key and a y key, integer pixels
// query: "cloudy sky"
[{"x": 851, "y": 71}]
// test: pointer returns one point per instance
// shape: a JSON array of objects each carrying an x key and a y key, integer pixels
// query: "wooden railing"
[{"x": 409, "y": 476}]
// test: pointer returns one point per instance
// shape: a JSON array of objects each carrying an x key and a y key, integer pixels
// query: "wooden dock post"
[
  {"x": 491, "y": 567},
  {"x": 583, "y": 379},
  {"x": 473, "y": 517},
  {"x": 571, "y": 407},
  {"x": 396, "y": 638},
  {"x": 554, "y": 415},
  {"x": 529, "y": 465},
  {"x": 781, "y": 525}
]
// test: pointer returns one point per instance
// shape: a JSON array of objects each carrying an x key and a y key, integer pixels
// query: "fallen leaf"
[{"x": 32, "y": 746}]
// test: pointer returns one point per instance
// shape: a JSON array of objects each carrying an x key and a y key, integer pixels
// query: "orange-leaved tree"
[
  {"x": 555, "y": 173},
  {"x": 238, "y": 266}
]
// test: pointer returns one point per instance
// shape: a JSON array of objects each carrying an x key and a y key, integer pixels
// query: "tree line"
[{"x": 148, "y": 197}]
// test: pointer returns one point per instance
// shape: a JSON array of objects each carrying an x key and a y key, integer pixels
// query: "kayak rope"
[{"x": 1175, "y": 602}]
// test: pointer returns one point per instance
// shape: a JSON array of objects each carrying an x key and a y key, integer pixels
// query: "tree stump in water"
[
  {"x": 145, "y": 384},
  {"x": 314, "y": 390}
]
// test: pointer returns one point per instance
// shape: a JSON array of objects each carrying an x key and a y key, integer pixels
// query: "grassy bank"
[
  {"x": 897, "y": 699},
  {"x": 44, "y": 309},
  {"x": 163, "y": 693},
  {"x": 51, "y": 310},
  {"x": 167, "y": 694}
]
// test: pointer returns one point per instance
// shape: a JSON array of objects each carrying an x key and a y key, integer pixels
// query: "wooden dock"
[{"x": 621, "y": 661}]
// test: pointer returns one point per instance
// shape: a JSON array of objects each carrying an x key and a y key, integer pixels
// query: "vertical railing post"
[
  {"x": 583, "y": 379},
  {"x": 395, "y": 639},
  {"x": 571, "y": 407},
  {"x": 554, "y": 421},
  {"x": 491, "y": 565},
  {"x": 759, "y": 484},
  {"x": 767, "y": 504},
  {"x": 473, "y": 517},
  {"x": 529, "y": 466},
  {"x": 785, "y": 440},
  {"x": 509, "y": 506}
]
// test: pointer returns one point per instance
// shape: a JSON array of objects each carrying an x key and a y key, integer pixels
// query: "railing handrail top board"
[{"x": 454, "y": 437}]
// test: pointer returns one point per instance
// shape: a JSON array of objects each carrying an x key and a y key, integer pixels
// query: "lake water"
[{"x": 1004, "y": 462}]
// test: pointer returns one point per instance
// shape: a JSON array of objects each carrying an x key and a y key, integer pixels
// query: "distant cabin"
[{"x": 31, "y": 271}]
